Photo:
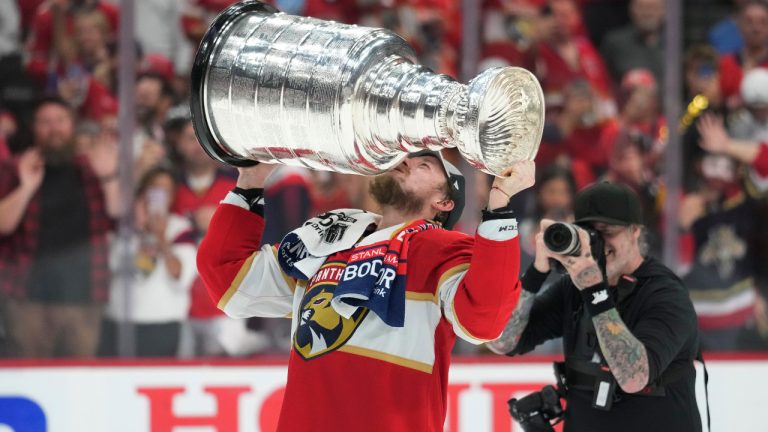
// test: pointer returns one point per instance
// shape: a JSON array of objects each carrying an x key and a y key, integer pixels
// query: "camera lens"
[{"x": 562, "y": 238}]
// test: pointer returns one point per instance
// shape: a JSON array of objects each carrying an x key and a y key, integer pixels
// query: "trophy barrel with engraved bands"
[{"x": 300, "y": 91}]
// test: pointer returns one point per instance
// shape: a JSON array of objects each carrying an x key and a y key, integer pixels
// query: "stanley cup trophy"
[{"x": 277, "y": 88}]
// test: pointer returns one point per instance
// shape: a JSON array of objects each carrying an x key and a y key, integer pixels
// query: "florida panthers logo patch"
[{"x": 320, "y": 329}]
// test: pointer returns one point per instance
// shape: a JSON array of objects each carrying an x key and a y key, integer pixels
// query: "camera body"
[{"x": 536, "y": 411}]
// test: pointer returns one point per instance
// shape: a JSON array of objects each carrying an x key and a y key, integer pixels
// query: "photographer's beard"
[
  {"x": 621, "y": 255},
  {"x": 613, "y": 266},
  {"x": 387, "y": 192}
]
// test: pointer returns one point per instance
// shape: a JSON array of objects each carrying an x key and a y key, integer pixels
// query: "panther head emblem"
[{"x": 321, "y": 329}]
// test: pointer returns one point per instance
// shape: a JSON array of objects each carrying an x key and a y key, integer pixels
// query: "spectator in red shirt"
[
  {"x": 572, "y": 136},
  {"x": 27, "y": 12},
  {"x": 90, "y": 98},
  {"x": 197, "y": 15},
  {"x": 509, "y": 31},
  {"x": 333, "y": 10},
  {"x": 565, "y": 54},
  {"x": 639, "y": 117},
  {"x": 55, "y": 210},
  {"x": 753, "y": 23},
  {"x": 91, "y": 37},
  {"x": 82, "y": 75},
  {"x": 202, "y": 184},
  {"x": 52, "y": 25}
]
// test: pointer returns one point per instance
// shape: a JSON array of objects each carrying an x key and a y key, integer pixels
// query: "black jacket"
[{"x": 659, "y": 313}]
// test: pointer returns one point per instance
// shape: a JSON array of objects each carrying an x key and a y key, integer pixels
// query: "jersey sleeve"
[
  {"x": 243, "y": 279},
  {"x": 477, "y": 279}
]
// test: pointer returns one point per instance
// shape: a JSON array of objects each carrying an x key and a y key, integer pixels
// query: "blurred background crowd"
[{"x": 65, "y": 288}]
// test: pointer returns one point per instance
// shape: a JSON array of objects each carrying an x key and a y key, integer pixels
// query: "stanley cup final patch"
[
  {"x": 291, "y": 251},
  {"x": 303, "y": 250}
]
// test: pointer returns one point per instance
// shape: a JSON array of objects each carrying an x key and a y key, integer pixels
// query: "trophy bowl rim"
[
  {"x": 481, "y": 88},
  {"x": 199, "y": 74}
]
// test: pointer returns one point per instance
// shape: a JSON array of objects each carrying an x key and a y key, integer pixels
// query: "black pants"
[{"x": 152, "y": 340}]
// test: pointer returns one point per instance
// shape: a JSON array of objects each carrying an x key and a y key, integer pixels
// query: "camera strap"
[
  {"x": 581, "y": 374},
  {"x": 700, "y": 357},
  {"x": 596, "y": 377}
]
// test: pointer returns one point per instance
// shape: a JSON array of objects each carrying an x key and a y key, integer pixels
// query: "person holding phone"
[{"x": 158, "y": 300}]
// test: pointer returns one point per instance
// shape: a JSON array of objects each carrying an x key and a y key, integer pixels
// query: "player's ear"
[{"x": 445, "y": 205}]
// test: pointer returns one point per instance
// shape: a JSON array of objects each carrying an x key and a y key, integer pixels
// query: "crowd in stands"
[{"x": 65, "y": 290}]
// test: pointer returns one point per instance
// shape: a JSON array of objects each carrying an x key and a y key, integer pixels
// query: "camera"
[
  {"x": 536, "y": 411},
  {"x": 563, "y": 238}
]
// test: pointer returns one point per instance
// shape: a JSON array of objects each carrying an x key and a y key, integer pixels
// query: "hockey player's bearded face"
[
  {"x": 389, "y": 193},
  {"x": 411, "y": 185}
]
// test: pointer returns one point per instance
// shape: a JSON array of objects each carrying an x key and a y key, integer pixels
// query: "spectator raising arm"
[
  {"x": 103, "y": 158},
  {"x": 14, "y": 205},
  {"x": 715, "y": 139}
]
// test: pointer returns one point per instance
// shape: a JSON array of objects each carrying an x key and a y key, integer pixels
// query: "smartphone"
[{"x": 158, "y": 201}]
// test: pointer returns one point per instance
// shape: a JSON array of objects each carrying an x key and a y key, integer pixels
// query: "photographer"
[{"x": 628, "y": 326}]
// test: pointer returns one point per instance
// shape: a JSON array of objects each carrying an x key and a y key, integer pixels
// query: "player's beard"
[{"x": 387, "y": 192}]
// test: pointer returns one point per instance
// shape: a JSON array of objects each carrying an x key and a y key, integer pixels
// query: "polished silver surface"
[{"x": 301, "y": 91}]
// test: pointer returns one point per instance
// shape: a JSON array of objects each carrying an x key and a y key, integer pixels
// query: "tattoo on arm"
[
  {"x": 514, "y": 328},
  {"x": 588, "y": 277},
  {"x": 626, "y": 356}
]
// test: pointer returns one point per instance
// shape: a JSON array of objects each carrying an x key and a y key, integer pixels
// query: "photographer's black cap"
[
  {"x": 456, "y": 183},
  {"x": 610, "y": 203}
]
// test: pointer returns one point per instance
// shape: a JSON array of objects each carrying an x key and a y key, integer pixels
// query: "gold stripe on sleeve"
[
  {"x": 237, "y": 281},
  {"x": 464, "y": 330},
  {"x": 417, "y": 296},
  {"x": 445, "y": 276},
  {"x": 450, "y": 273}
]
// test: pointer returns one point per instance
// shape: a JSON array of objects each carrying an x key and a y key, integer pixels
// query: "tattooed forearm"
[
  {"x": 588, "y": 277},
  {"x": 514, "y": 328},
  {"x": 626, "y": 356}
]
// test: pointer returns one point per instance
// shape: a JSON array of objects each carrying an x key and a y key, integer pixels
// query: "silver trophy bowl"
[{"x": 300, "y": 91}]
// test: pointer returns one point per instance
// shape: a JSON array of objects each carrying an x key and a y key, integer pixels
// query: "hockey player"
[{"x": 376, "y": 302}]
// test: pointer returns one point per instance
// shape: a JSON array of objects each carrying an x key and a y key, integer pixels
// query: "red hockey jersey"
[{"x": 359, "y": 373}]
